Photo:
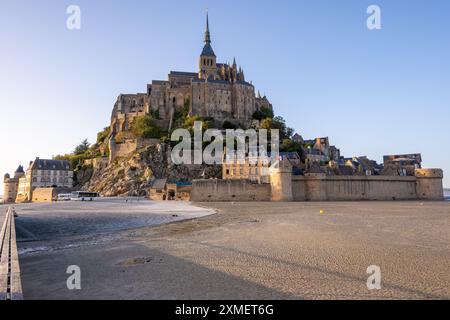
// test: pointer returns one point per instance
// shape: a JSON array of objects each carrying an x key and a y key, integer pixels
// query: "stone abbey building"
[{"x": 217, "y": 90}]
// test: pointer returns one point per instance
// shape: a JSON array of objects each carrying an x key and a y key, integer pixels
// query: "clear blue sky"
[{"x": 372, "y": 92}]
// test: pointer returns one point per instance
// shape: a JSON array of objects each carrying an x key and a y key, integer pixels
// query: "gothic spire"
[
  {"x": 207, "y": 49},
  {"x": 207, "y": 34}
]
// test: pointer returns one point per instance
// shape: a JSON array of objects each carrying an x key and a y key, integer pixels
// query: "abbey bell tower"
[{"x": 207, "y": 62}]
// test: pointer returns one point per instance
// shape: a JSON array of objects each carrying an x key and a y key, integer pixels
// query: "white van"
[{"x": 64, "y": 197}]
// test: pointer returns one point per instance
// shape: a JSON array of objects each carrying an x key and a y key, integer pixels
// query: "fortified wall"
[
  {"x": 229, "y": 190},
  {"x": 425, "y": 185},
  {"x": 127, "y": 147}
]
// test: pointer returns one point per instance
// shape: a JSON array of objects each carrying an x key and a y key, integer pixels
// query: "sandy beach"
[{"x": 244, "y": 251}]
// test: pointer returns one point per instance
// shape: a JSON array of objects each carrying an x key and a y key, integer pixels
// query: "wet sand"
[{"x": 247, "y": 251}]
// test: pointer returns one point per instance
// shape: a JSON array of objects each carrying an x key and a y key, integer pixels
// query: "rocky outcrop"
[
  {"x": 83, "y": 176},
  {"x": 132, "y": 175}
]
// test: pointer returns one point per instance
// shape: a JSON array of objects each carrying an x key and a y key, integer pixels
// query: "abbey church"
[{"x": 217, "y": 90}]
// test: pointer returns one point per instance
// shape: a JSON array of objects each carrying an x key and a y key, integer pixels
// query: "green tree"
[
  {"x": 263, "y": 113},
  {"x": 277, "y": 123},
  {"x": 257, "y": 115},
  {"x": 267, "y": 112},
  {"x": 287, "y": 145},
  {"x": 82, "y": 148}
]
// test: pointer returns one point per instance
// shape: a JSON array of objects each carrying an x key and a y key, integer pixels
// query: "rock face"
[{"x": 132, "y": 176}]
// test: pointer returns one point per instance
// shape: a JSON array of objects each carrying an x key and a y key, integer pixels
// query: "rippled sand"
[{"x": 249, "y": 251}]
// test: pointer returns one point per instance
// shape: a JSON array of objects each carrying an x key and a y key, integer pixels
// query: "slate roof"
[
  {"x": 208, "y": 51},
  {"x": 245, "y": 83},
  {"x": 45, "y": 164},
  {"x": 159, "y": 82},
  {"x": 218, "y": 81},
  {"x": 297, "y": 137},
  {"x": 314, "y": 152},
  {"x": 159, "y": 184},
  {"x": 219, "y": 65},
  {"x": 182, "y": 73}
]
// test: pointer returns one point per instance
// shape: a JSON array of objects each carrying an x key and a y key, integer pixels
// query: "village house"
[
  {"x": 256, "y": 168},
  {"x": 402, "y": 164},
  {"x": 41, "y": 173}
]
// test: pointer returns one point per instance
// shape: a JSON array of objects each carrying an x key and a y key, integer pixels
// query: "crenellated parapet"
[{"x": 426, "y": 185}]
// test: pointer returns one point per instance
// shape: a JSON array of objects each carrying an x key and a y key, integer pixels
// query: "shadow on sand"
[{"x": 132, "y": 271}]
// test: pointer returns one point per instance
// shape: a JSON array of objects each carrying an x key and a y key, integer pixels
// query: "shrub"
[
  {"x": 102, "y": 135},
  {"x": 145, "y": 127},
  {"x": 228, "y": 125},
  {"x": 207, "y": 122}
]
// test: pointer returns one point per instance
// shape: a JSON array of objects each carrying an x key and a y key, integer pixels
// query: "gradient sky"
[{"x": 372, "y": 92}]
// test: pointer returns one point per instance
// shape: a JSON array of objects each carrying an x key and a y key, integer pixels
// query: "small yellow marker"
[{"x": 322, "y": 212}]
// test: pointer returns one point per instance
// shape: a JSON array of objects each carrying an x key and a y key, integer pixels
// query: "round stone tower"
[
  {"x": 9, "y": 189},
  {"x": 11, "y": 185},
  {"x": 281, "y": 181}
]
